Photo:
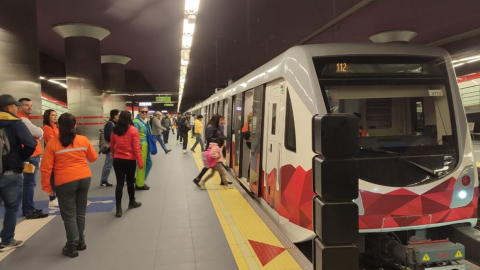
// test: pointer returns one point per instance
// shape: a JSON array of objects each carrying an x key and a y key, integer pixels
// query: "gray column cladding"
[{"x": 19, "y": 53}]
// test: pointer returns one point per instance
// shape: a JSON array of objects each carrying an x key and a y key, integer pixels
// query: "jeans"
[
  {"x": 107, "y": 167},
  {"x": 124, "y": 170},
  {"x": 184, "y": 136},
  {"x": 199, "y": 141},
  {"x": 165, "y": 135},
  {"x": 29, "y": 183},
  {"x": 72, "y": 200},
  {"x": 11, "y": 190},
  {"x": 160, "y": 141}
]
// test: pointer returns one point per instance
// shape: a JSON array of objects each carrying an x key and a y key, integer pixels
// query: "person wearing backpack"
[
  {"x": 16, "y": 146},
  {"x": 213, "y": 158},
  {"x": 107, "y": 133},
  {"x": 184, "y": 128}
]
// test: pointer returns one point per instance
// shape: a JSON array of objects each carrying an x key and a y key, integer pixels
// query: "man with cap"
[
  {"x": 184, "y": 127},
  {"x": 21, "y": 147}
]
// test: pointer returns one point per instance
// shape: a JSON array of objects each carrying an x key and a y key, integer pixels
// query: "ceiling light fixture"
[
  {"x": 189, "y": 20},
  {"x": 474, "y": 60},
  {"x": 457, "y": 65}
]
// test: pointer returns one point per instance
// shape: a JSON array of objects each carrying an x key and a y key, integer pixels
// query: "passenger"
[
  {"x": 172, "y": 121},
  {"x": 216, "y": 153},
  {"x": 29, "y": 178},
  {"x": 247, "y": 131},
  {"x": 197, "y": 132},
  {"x": 107, "y": 131},
  {"x": 68, "y": 154},
  {"x": 22, "y": 146},
  {"x": 361, "y": 132},
  {"x": 223, "y": 124},
  {"x": 177, "y": 119},
  {"x": 50, "y": 131},
  {"x": 166, "y": 123},
  {"x": 158, "y": 129},
  {"x": 192, "y": 124},
  {"x": 141, "y": 123},
  {"x": 184, "y": 127},
  {"x": 126, "y": 152}
]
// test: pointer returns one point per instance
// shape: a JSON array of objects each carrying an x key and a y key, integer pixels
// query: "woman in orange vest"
[
  {"x": 68, "y": 154},
  {"x": 50, "y": 131}
]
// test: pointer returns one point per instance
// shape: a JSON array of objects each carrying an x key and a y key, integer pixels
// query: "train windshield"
[{"x": 407, "y": 131}]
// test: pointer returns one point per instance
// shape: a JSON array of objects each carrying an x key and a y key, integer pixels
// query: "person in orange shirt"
[
  {"x": 50, "y": 131},
  {"x": 29, "y": 179},
  {"x": 68, "y": 154}
]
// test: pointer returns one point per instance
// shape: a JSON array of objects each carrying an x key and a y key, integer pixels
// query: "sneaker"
[
  {"x": 196, "y": 181},
  {"x": 230, "y": 187},
  {"x": 106, "y": 184},
  {"x": 13, "y": 245},
  {"x": 134, "y": 204},
  {"x": 70, "y": 251},
  {"x": 36, "y": 215},
  {"x": 168, "y": 151},
  {"x": 202, "y": 185},
  {"x": 184, "y": 151},
  {"x": 193, "y": 151},
  {"x": 81, "y": 247},
  {"x": 145, "y": 187},
  {"x": 53, "y": 203}
]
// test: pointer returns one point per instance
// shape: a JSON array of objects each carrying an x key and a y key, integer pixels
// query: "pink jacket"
[{"x": 216, "y": 152}]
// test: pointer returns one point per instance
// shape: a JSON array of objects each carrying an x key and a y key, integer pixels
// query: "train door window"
[
  {"x": 247, "y": 126},
  {"x": 228, "y": 129},
  {"x": 290, "y": 138},
  {"x": 274, "y": 118},
  {"x": 256, "y": 135},
  {"x": 417, "y": 110},
  {"x": 237, "y": 133},
  {"x": 220, "y": 108}
]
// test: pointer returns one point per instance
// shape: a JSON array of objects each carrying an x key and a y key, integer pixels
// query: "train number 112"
[{"x": 341, "y": 67}]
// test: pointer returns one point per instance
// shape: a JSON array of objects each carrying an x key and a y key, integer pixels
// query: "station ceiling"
[{"x": 233, "y": 37}]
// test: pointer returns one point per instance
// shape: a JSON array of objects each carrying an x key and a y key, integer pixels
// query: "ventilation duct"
[{"x": 404, "y": 36}]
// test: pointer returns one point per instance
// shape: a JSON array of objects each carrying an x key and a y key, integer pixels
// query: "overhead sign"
[
  {"x": 165, "y": 99},
  {"x": 168, "y": 105},
  {"x": 145, "y": 103}
]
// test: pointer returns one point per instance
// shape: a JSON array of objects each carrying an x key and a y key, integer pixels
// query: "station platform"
[{"x": 179, "y": 226}]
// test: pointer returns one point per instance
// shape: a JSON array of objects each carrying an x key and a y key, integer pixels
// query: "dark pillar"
[
  {"x": 19, "y": 60},
  {"x": 114, "y": 86},
  {"x": 84, "y": 75}
]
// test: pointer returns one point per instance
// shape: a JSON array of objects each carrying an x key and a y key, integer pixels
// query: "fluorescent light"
[
  {"x": 469, "y": 58},
  {"x": 474, "y": 60},
  {"x": 457, "y": 65},
  {"x": 119, "y": 94},
  {"x": 42, "y": 78},
  {"x": 59, "y": 83},
  {"x": 184, "y": 63},
  {"x": 187, "y": 42},
  {"x": 188, "y": 28},
  {"x": 191, "y": 6},
  {"x": 186, "y": 55}
]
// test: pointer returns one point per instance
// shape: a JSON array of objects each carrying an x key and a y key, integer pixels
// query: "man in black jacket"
[
  {"x": 183, "y": 128},
  {"x": 166, "y": 124},
  {"x": 107, "y": 131},
  {"x": 11, "y": 179}
]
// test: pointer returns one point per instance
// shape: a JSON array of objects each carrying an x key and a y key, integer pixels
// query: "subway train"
[{"x": 416, "y": 163}]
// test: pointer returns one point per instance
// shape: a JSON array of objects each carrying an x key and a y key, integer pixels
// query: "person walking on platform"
[
  {"x": 143, "y": 128},
  {"x": 68, "y": 154},
  {"x": 158, "y": 129},
  {"x": 29, "y": 177},
  {"x": 184, "y": 128},
  {"x": 197, "y": 132},
  {"x": 167, "y": 125},
  {"x": 126, "y": 152},
  {"x": 216, "y": 154},
  {"x": 50, "y": 131},
  {"x": 107, "y": 131},
  {"x": 192, "y": 124},
  {"x": 22, "y": 145},
  {"x": 177, "y": 123},
  {"x": 172, "y": 122}
]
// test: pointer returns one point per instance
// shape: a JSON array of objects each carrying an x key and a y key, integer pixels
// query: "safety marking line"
[
  {"x": 240, "y": 224},
  {"x": 25, "y": 230}
]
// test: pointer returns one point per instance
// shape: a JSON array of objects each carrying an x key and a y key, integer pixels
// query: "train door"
[
  {"x": 273, "y": 145},
  {"x": 256, "y": 170},
  {"x": 228, "y": 129}
]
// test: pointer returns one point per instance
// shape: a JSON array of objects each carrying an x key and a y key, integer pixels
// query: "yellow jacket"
[{"x": 198, "y": 127}]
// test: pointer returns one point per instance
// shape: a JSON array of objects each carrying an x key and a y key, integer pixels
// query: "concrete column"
[
  {"x": 84, "y": 75},
  {"x": 19, "y": 53},
  {"x": 113, "y": 76}
]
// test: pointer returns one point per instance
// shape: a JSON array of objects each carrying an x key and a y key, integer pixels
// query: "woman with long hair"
[
  {"x": 50, "y": 131},
  {"x": 126, "y": 153},
  {"x": 68, "y": 154}
]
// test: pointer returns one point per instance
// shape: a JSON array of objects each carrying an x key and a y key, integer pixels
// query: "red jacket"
[{"x": 127, "y": 146}]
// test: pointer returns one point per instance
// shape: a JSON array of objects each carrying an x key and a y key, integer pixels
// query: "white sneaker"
[
  {"x": 184, "y": 151},
  {"x": 53, "y": 203}
]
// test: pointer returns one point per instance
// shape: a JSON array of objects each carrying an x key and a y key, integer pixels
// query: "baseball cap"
[
  {"x": 188, "y": 113},
  {"x": 6, "y": 100}
]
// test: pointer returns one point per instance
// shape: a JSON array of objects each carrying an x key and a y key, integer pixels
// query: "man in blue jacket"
[
  {"x": 107, "y": 132},
  {"x": 11, "y": 178}
]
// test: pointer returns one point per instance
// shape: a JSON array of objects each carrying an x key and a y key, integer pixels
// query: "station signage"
[
  {"x": 166, "y": 99},
  {"x": 168, "y": 105},
  {"x": 145, "y": 103}
]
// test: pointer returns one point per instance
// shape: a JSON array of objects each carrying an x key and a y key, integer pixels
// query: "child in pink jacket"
[{"x": 216, "y": 153}]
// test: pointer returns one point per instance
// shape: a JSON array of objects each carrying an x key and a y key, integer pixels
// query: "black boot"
[
  {"x": 134, "y": 204},
  {"x": 119, "y": 211},
  {"x": 70, "y": 250}
]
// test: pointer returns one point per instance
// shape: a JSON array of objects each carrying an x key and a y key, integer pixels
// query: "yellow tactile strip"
[{"x": 240, "y": 224}]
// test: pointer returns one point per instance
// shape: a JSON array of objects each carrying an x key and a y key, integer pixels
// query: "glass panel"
[
  {"x": 228, "y": 115},
  {"x": 237, "y": 133},
  {"x": 256, "y": 134},
  {"x": 274, "y": 117},
  {"x": 290, "y": 138}
]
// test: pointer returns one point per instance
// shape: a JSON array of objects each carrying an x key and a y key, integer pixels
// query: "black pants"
[
  {"x": 165, "y": 135},
  {"x": 179, "y": 135},
  {"x": 184, "y": 137},
  {"x": 202, "y": 173},
  {"x": 124, "y": 169}
]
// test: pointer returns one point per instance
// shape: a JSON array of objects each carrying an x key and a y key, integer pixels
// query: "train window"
[
  {"x": 416, "y": 110},
  {"x": 290, "y": 138},
  {"x": 274, "y": 117}
]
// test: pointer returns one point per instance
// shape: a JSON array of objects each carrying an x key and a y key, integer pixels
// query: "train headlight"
[
  {"x": 462, "y": 194},
  {"x": 463, "y": 190}
]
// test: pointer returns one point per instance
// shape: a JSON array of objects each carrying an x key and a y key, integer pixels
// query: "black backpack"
[{"x": 4, "y": 149}]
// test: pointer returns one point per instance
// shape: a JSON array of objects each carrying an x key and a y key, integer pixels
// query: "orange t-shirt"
[
  {"x": 69, "y": 163},
  {"x": 49, "y": 132}
]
